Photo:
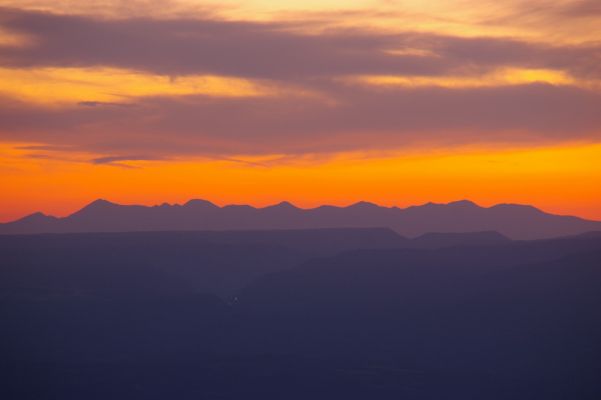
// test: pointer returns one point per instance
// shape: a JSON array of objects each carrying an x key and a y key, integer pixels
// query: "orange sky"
[
  {"x": 315, "y": 102},
  {"x": 527, "y": 176}
]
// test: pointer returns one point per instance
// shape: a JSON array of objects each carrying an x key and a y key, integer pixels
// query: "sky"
[{"x": 313, "y": 102}]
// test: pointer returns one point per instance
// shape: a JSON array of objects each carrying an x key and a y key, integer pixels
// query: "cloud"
[
  {"x": 552, "y": 9},
  {"x": 580, "y": 9},
  {"x": 320, "y": 112},
  {"x": 119, "y": 8},
  {"x": 61, "y": 148},
  {"x": 566, "y": 21},
  {"x": 102, "y": 104},
  {"x": 112, "y": 159},
  {"x": 269, "y": 50},
  {"x": 118, "y": 161},
  {"x": 359, "y": 118}
]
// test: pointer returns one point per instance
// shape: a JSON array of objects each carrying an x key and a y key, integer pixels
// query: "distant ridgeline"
[{"x": 511, "y": 220}]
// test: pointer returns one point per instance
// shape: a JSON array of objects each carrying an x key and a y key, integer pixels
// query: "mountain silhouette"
[{"x": 511, "y": 220}]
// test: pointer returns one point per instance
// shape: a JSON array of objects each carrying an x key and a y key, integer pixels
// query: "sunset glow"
[
  {"x": 315, "y": 102},
  {"x": 517, "y": 176}
]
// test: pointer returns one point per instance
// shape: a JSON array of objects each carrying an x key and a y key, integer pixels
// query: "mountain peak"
[
  {"x": 99, "y": 203},
  {"x": 95, "y": 207},
  {"x": 37, "y": 217},
  {"x": 284, "y": 205},
  {"x": 363, "y": 204},
  {"x": 198, "y": 203},
  {"x": 463, "y": 203}
]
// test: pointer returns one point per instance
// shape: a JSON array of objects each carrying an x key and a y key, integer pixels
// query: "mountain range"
[{"x": 512, "y": 220}]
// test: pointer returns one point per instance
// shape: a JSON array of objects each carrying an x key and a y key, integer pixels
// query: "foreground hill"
[
  {"x": 95, "y": 320},
  {"x": 135, "y": 315},
  {"x": 511, "y": 220}
]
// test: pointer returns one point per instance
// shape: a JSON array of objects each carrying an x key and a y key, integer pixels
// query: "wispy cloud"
[
  {"x": 103, "y": 104},
  {"x": 322, "y": 111},
  {"x": 361, "y": 118},
  {"x": 121, "y": 161}
]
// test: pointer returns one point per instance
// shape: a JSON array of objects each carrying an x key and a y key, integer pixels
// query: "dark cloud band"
[
  {"x": 269, "y": 50},
  {"x": 360, "y": 119}
]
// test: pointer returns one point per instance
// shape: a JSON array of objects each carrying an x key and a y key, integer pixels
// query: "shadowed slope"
[
  {"x": 168, "y": 262},
  {"x": 515, "y": 320}
]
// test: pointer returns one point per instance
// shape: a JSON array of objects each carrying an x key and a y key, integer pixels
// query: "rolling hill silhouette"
[
  {"x": 332, "y": 313},
  {"x": 169, "y": 262},
  {"x": 511, "y": 220}
]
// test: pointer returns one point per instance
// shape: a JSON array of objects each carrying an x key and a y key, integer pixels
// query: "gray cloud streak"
[
  {"x": 362, "y": 118},
  {"x": 268, "y": 50}
]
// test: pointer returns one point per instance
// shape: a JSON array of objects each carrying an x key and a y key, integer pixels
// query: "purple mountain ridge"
[{"x": 512, "y": 220}]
